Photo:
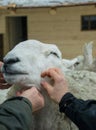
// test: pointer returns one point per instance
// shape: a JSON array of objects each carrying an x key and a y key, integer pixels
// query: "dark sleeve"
[
  {"x": 16, "y": 114},
  {"x": 82, "y": 113}
]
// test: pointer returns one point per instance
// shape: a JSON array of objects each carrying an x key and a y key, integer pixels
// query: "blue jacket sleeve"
[{"x": 82, "y": 113}]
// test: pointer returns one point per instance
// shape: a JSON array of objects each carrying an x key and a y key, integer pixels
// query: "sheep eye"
[
  {"x": 54, "y": 53},
  {"x": 77, "y": 63}
]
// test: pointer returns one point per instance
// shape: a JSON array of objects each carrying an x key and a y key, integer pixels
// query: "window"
[{"x": 88, "y": 22}]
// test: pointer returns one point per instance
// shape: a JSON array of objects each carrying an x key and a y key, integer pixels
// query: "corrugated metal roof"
[{"x": 38, "y": 3}]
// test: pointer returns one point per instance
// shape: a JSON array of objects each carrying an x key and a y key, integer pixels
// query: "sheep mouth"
[{"x": 14, "y": 73}]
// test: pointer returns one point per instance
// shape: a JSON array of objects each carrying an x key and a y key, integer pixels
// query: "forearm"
[
  {"x": 15, "y": 114},
  {"x": 82, "y": 113}
]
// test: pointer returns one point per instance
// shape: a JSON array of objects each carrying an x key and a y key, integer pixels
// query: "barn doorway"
[
  {"x": 1, "y": 47},
  {"x": 16, "y": 30}
]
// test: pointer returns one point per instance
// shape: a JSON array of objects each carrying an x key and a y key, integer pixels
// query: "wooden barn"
[{"x": 69, "y": 26}]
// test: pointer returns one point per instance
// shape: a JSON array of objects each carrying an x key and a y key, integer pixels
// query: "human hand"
[
  {"x": 34, "y": 96},
  {"x": 59, "y": 87},
  {"x": 3, "y": 83}
]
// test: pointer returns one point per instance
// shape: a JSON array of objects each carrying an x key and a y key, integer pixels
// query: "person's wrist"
[{"x": 63, "y": 94}]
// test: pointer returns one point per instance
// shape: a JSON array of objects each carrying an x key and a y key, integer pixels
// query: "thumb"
[
  {"x": 47, "y": 86},
  {"x": 1, "y": 63}
]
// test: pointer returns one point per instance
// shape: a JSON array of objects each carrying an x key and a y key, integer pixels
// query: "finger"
[
  {"x": 1, "y": 75},
  {"x": 1, "y": 63},
  {"x": 51, "y": 73},
  {"x": 47, "y": 87},
  {"x": 59, "y": 74},
  {"x": 45, "y": 73},
  {"x": 2, "y": 81},
  {"x": 58, "y": 71},
  {"x": 54, "y": 69},
  {"x": 4, "y": 85}
]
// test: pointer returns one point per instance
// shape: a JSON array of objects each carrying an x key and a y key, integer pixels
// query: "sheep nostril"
[{"x": 11, "y": 61}]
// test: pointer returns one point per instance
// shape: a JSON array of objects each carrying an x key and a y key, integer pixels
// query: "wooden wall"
[{"x": 61, "y": 26}]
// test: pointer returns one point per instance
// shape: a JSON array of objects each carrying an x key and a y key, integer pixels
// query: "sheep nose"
[{"x": 11, "y": 60}]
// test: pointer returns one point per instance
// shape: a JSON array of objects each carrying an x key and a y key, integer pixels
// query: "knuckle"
[{"x": 60, "y": 79}]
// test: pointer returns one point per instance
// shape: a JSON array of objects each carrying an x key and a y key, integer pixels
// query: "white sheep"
[
  {"x": 84, "y": 61},
  {"x": 23, "y": 66}
]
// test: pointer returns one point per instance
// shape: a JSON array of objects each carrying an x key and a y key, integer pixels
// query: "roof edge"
[{"x": 14, "y": 6}]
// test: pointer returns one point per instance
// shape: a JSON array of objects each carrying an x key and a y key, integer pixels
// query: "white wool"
[{"x": 35, "y": 57}]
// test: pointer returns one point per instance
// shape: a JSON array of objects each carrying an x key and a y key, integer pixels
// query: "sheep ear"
[{"x": 87, "y": 52}]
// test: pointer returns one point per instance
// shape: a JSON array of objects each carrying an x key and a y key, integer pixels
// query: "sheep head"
[{"x": 25, "y": 62}]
